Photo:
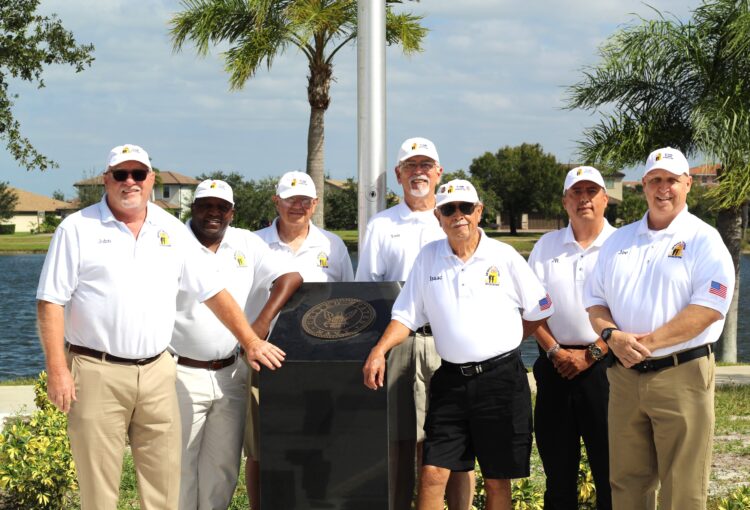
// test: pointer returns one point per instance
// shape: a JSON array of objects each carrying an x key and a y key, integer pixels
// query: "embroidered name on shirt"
[
  {"x": 395, "y": 235},
  {"x": 555, "y": 260},
  {"x": 677, "y": 249},
  {"x": 492, "y": 277},
  {"x": 105, "y": 241},
  {"x": 622, "y": 252},
  {"x": 435, "y": 278}
]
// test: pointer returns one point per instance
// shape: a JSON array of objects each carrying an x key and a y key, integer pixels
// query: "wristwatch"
[
  {"x": 552, "y": 352},
  {"x": 595, "y": 351},
  {"x": 607, "y": 333}
]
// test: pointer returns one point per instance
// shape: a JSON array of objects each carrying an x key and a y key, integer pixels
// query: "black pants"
[{"x": 566, "y": 411}]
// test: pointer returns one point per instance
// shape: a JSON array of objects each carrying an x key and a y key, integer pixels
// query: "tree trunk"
[
  {"x": 512, "y": 222},
  {"x": 729, "y": 225},
  {"x": 318, "y": 94}
]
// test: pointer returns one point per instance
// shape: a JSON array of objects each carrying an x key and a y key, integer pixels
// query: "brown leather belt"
[
  {"x": 216, "y": 364},
  {"x": 79, "y": 349}
]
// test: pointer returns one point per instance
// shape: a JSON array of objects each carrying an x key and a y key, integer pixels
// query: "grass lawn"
[{"x": 24, "y": 243}]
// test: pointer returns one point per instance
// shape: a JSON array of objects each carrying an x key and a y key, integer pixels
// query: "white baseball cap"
[
  {"x": 456, "y": 190},
  {"x": 296, "y": 183},
  {"x": 417, "y": 147},
  {"x": 128, "y": 152},
  {"x": 583, "y": 173},
  {"x": 211, "y": 188},
  {"x": 668, "y": 159}
]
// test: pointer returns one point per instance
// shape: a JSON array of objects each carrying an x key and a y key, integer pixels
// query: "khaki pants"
[
  {"x": 660, "y": 436},
  {"x": 212, "y": 407},
  {"x": 116, "y": 402},
  {"x": 426, "y": 362}
]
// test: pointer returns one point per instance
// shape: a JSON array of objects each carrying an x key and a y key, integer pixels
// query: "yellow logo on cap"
[
  {"x": 450, "y": 189},
  {"x": 294, "y": 182},
  {"x": 658, "y": 157},
  {"x": 164, "y": 238},
  {"x": 323, "y": 259},
  {"x": 240, "y": 258},
  {"x": 580, "y": 171},
  {"x": 413, "y": 146},
  {"x": 677, "y": 250},
  {"x": 125, "y": 149},
  {"x": 492, "y": 277},
  {"x": 213, "y": 184}
]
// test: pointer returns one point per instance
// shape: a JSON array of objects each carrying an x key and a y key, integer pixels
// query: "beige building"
[
  {"x": 172, "y": 191},
  {"x": 31, "y": 210}
]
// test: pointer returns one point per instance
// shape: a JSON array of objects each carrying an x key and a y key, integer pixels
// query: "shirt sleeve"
[
  {"x": 713, "y": 274},
  {"x": 408, "y": 308},
  {"x": 368, "y": 257},
  {"x": 59, "y": 276},
  {"x": 535, "y": 301}
]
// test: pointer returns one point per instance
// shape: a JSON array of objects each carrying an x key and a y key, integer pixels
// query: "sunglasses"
[
  {"x": 450, "y": 208},
  {"x": 138, "y": 175}
]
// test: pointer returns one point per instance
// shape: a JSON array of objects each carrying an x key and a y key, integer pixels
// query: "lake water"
[{"x": 22, "y": 355}]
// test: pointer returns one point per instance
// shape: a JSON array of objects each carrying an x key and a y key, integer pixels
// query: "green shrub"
[
  {"x": 7, "y": 228},
  {"x": 739, "y": 499},
  {"x": 36, "y": 466}
]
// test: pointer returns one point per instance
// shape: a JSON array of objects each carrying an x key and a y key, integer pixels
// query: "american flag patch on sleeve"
[
  {"x": 546, "y": 302},
  {"x": 718, "y": 289}
]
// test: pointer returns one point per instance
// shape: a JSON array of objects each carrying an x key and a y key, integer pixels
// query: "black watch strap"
[{"x": 607, "y": 333}]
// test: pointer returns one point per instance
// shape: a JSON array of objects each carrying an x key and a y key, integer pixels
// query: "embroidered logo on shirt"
[
  {"x": 718, "y": 289},
  {"x": 545, "y": 303},
  {"x": 436, "y": 278},
  {"x": 240, "y": 258},
  {"x": 164, "y": 238},
  {"x": 492, "y": 276},
  {"x": 677, "y": 250},
  {"x": 323, "y": 259}
]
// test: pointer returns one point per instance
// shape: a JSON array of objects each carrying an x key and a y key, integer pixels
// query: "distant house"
[
  {"x": 31, "y": 210},
  {"x": 705, "y": 175},
  {"x": 172, "y": 191}
]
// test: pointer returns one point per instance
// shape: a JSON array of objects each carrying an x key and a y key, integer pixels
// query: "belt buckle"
[
  {"x": 141, "y": 361},
  {"x": 643, "y": 367},
  {"x": 468, "y": 370},
  {"x": 214, "y": 364}
]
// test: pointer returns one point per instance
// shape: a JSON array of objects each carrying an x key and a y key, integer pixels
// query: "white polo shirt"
[
  {"x": 645, "y": 277},
  {"x": 393, "y": 239},
  {"x": 323, "y": 256},
  {"x": 562, "y": 265},
  {"x": 118, "y": 291},
  {"x": 245, "y": 264},
  {"x": 474, "y": 307}
]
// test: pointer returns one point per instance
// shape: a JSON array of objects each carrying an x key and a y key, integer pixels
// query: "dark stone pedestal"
[{"x": 323, "y": 435}]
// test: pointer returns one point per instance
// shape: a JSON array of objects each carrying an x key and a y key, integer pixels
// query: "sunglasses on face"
[
  {"x": 449, "y": 209},
  {"x": 138, "y": 175}
]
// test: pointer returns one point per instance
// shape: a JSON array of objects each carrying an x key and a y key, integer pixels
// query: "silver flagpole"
[{"x": 371, "y": 162}]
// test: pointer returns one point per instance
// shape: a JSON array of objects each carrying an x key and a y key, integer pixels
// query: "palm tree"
[
  {"x": 259, "y": 30},
  {"x": 684, "y": 84}
]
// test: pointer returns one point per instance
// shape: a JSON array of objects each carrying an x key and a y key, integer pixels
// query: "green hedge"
[{"x": 7, "y": 229}]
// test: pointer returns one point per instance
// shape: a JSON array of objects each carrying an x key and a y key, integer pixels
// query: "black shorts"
[{"x": 487, "y": 416}]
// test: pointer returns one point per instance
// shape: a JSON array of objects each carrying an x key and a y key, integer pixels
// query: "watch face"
[
  {"x": 606, "y": 333},
  {"x": 596, "y": 352}
]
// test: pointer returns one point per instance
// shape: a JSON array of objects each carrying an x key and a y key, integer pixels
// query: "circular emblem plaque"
[{"x": 338, "y": 318}]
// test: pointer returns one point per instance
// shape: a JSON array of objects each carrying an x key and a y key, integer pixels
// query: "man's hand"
[
  {"x": 570, "y": 362},
  {"x": 61, "y": 390},
  {"x": 628, "y": 348},
  {"x": 262, "y": 352},
  {"x": 374, "y": 370}
]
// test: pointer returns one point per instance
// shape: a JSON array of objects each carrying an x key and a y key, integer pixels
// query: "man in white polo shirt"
[
  {"x": 211, "y": 377},
  {"x": 481, "y": 299},
  {"x": 392, "y": 241},
  {"x": 106, "y": 309},
  {"x": 658, "y": 297},
  {"x": 318, "y": 255},
  {"x": 571, "y": 378}
]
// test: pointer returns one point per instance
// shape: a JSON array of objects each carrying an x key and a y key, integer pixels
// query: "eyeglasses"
[
  {"x": 138, "y": 175},
  {"x": 449, "y": 209},
  {"x": 303, "y": 201},
  {"x": 411, "y": 166}
]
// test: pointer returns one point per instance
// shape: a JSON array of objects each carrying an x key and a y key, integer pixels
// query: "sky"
[{"x": 493, "y": 73}]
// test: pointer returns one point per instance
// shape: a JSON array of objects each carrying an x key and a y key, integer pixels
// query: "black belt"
[
  {"x": 79, "y": 349},
  {"x": 472, "y": 369},
  {"x": 652, "y": 365},
  {"x": 425, "y": 330},
  {"x": 216, "y": 364}
]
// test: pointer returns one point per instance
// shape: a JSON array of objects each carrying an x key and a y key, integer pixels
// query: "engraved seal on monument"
[{"x": 338, "y": 318}]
